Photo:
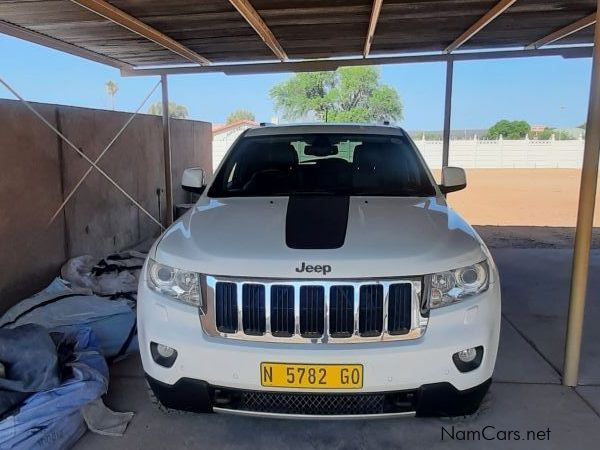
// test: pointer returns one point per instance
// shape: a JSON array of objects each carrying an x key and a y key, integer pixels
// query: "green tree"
[
  {"x": 240, "y": 114},
  {"x": 352, "y": 94},
  {"x": 545, "y": 135},
  {"x": 516, "y": 129},
  {"x": 175, "y": 111},
  {"x": 558, "y": 135},
  {"x": 111, "y": 90}
]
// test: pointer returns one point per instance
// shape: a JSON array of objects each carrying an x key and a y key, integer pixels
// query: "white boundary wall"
[
  {"x": 223, "y": 140},
  {"x": 470, "y": 154},
  {"x": 522, "y": 154}
]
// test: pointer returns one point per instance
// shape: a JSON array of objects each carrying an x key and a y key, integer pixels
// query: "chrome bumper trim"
[{"x": 269, "y": 415}]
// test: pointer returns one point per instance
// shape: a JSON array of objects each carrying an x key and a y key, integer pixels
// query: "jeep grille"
[{"x": 313, "y": 311}]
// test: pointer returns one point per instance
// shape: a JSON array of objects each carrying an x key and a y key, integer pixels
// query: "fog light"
[
  {"x": 468, "y": 359},
  {"x": 163, "y": 354},
  {"x": 167, "y": 352},
  {"x": 465, "y": 356}
]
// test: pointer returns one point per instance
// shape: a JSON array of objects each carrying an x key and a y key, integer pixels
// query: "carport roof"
[
  {"x": 134, "y": 34},
  {"x": 144, "y": 37}
]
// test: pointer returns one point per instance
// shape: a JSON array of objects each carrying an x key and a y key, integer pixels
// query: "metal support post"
[
  {"x": 167, "y": 152},
  {"x": 447, "y": 111},
  {"x": 585, "y": 223}
]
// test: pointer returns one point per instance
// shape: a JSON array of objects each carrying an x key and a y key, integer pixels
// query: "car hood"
[{"x": 384, "y": 237}]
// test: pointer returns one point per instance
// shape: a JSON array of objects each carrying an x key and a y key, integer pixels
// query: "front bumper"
[
  {"x": 388, "y": 366},
  {"x": 439, "y": 399}
]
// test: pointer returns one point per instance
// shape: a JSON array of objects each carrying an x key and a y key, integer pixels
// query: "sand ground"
[
  {"x": 523, "y": 208},
  {"x": 520, "y": 197}
]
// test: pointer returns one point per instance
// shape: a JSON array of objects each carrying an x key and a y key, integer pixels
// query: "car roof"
[{"x": 274, "y": 130}]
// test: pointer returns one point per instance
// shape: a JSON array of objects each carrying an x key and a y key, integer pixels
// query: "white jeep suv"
[{"x": 320, "y": 274}]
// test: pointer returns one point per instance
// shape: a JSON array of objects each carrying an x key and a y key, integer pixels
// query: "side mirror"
[
  {"x": 193, "y": 180},
  {"x": 453, "y": 179}
]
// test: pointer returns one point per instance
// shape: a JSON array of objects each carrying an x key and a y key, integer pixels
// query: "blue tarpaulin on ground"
[
  {"x": 52, "y": 419},
  {"x": 111, "y": 319}
]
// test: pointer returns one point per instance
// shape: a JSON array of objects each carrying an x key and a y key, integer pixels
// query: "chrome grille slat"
[
  {"x": 399, "y": 312},
  {"x": 226, "y": 314},
  {"x": 341, "y": 308},
  {"x": 386, "y": 298},
  {"x": 312, "y": 311},
  {"x": 297, "y": 309},
  {"x": 268, "y": 311},
  {"x": 254, "y": 309},
  {"x": 268, "y": 316},
  {"x": 240, "y": 312},
  {"x": 356, "y": 310},
  {"x": 281, "y": 308},
  {"x": 371, "y": 310},
  {"x": 326, "y": 306}
]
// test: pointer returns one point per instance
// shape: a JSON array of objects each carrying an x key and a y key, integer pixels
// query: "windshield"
[{"x": 353, "y": 164}]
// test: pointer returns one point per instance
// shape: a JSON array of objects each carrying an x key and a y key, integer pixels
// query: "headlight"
[
  {"x": 179, "y": 284},
  {"x": 452, "y": 286}
]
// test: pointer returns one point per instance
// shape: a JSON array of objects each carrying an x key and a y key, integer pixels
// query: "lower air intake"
[
  {"x": 316, "y": 404},
  {"x": 313, "y": 404}
]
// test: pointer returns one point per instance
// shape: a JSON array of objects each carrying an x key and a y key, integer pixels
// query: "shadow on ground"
[{"x": 531, "y": 237}]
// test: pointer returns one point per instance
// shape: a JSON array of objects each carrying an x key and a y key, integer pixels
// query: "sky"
[{"x": 547, "y": 91}]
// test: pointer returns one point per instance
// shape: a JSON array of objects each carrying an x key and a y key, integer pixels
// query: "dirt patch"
[
  {"x": 531, "y": 237},
  {"x": 523, "y": 208},
  {"x": 520, "y": 197}
]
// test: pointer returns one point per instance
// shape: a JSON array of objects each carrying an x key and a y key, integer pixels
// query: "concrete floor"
[{"x": 526, "y": 394}]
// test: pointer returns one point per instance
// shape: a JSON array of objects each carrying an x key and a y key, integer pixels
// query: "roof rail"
[{"x": 266, "y": 124}]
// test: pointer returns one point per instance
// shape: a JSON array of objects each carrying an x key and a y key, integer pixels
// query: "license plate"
[{"x": 311, "y": 376}]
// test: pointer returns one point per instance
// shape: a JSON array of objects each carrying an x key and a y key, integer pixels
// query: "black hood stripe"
[{"x": 316, "y": 222}]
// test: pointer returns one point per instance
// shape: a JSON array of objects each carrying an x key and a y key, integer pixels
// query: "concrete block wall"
[
  {"x": 519, "y": 154},
  {"x": 38, "y": 170}
]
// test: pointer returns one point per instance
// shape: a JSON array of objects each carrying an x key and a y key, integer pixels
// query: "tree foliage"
[
  {"x": 111, "y": 90},
  {"x": 175, "y": 111},
  {"x": 559, "y": 135},
  {"x": 240, "y": 114},
  {"x": 352, "y": 94},
  {"x": 516, "y": 129}
]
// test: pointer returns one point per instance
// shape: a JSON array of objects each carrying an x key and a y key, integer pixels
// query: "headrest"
[
  {"x": 275, "y": 155},
  {"x": 370, "y": 154},
  {"x": 283, "y": 155}
]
